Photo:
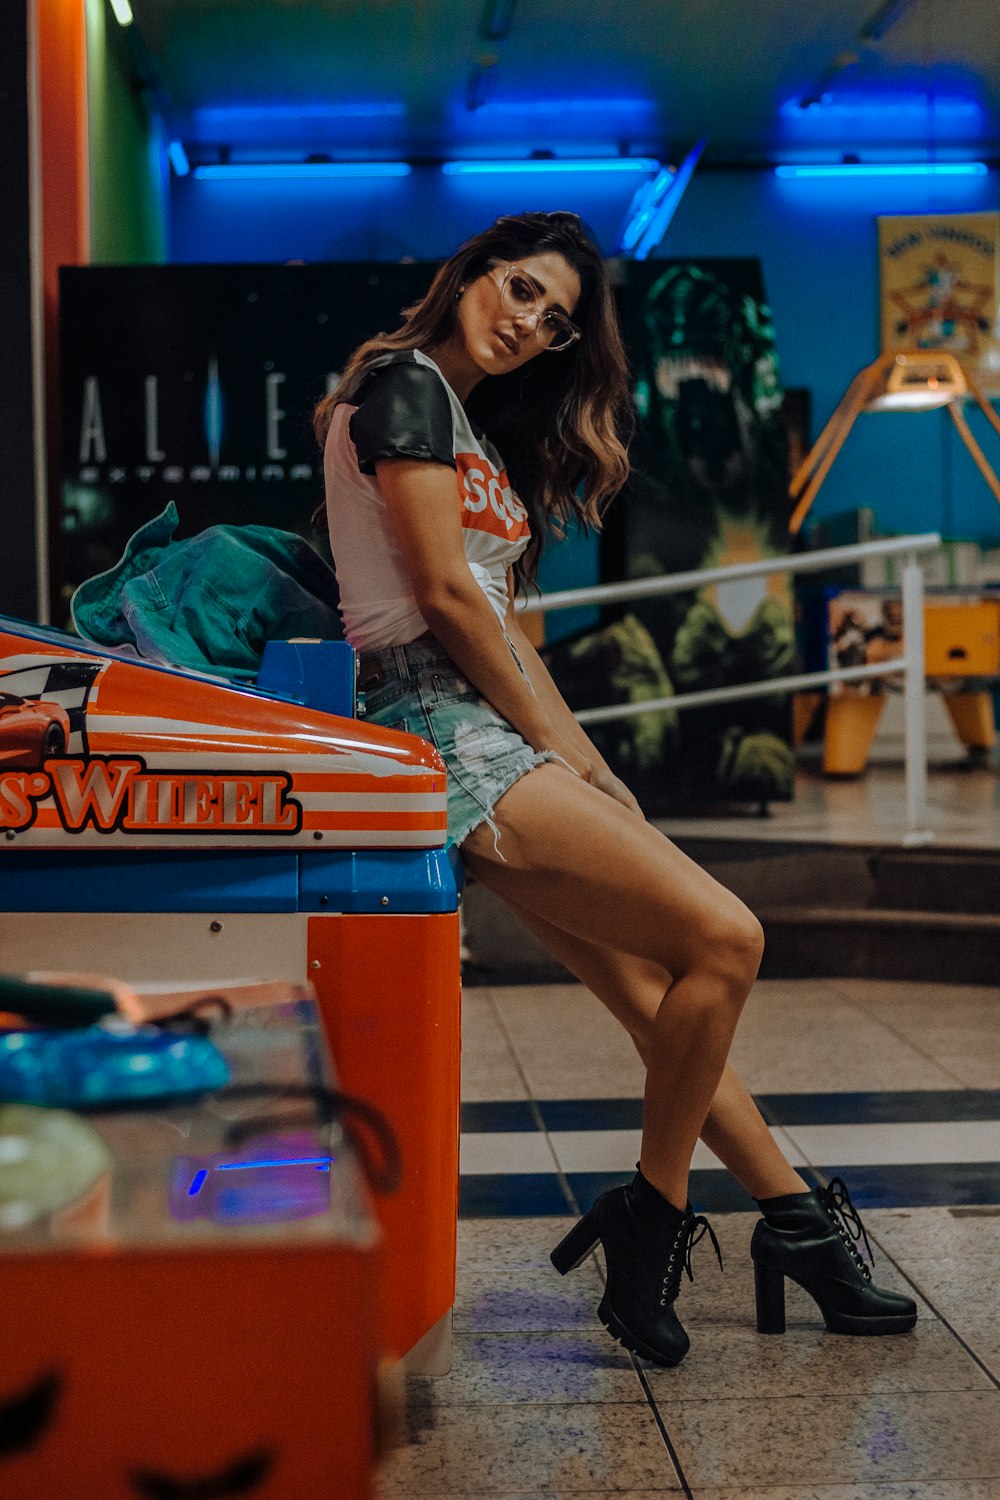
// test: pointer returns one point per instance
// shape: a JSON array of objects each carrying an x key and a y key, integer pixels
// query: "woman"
[{"x": 519, "y": 328}]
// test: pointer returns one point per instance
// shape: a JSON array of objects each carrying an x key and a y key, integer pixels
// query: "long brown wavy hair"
[{"x": 563, "y": 421}]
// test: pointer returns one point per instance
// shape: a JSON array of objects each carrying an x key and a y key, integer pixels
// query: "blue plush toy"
[{"x": 108, "y": 1064}]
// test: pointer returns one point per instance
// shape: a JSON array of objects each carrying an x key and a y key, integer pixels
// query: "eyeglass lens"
[{"x": 520, "y": 296}]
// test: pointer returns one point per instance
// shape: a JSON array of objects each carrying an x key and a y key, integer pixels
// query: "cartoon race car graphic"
[
  {"x": 152, "y": 757},
  {"x": 30, "y": 731}
]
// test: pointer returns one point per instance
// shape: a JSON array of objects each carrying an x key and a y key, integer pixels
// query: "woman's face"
[{"x": 500, "y": 332}]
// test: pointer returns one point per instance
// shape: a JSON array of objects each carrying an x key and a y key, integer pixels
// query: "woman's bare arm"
[
  {"x": 571, "y": 733},
  {"x": 420, "y": 499}
]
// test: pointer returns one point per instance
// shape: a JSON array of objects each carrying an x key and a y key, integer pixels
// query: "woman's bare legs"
[
  {"x": 584, "y": 864},
  {"x": 632, "y": 988},
  {"x": 605, "y": 917}
]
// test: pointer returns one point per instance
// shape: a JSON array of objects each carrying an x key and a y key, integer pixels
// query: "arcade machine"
[{"x": 177, "y": 831}]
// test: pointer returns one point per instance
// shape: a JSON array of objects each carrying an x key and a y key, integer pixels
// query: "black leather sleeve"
[{"x": 403, "y": 412}]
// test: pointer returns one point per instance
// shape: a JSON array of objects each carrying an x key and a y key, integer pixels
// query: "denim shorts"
[{"x": 418, "y": 689}]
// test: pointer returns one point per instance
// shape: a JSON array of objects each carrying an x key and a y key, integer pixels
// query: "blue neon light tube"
[
  {"x": 232, "y": 113},
  {"x": 178, "y": 158},
  {"x": 302, "y": 170},
  {"x": 887, "y": 169},
  {"x": 548, "y": 164},
  {"x": 290, "y": 1161}
]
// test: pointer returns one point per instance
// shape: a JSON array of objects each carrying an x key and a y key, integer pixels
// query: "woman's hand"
[
  {"x": 593, "y": 769},
  {"x": 607, "y": 781}
]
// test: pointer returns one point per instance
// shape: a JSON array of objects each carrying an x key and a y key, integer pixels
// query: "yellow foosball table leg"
[{"x": 851, "y": 722}]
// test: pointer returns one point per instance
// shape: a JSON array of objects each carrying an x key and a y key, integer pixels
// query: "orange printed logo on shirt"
[{"x": 488, "y": 502}]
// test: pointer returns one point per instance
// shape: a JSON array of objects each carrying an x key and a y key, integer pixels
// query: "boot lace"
[
  {"x": 692, "y": 1229},
  {"x": 837, "y": 1201}
]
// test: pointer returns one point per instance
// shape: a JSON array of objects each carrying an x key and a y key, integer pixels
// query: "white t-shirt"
[{"x": 404, "y": 407}]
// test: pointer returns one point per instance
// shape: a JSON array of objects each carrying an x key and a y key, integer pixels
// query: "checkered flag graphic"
[{"x": 55, "y": 680}]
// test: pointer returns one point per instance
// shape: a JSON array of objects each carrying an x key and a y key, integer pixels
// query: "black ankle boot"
[
  {"x": 810, "y": 1237},
  {"x": 647, "y": 1243}
]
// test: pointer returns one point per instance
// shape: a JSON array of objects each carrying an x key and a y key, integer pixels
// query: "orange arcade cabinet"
[
  {"x": 190, "y": 1280},
  {"x": 177, "y": 831}
]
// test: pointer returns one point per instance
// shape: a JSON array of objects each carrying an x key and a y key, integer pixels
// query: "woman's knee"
[{"x": 729, "y": 943}]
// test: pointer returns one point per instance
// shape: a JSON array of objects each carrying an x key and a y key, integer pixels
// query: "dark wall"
[{"x": 18, "y": 588}]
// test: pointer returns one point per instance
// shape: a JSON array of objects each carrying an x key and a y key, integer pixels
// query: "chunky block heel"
[
  {"x": 769, "y": 1291},
  {"x": 576, "y": 1246},
  {"x": 812, "y": 1239}
]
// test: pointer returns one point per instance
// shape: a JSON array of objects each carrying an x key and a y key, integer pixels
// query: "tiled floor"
[
  {"x": 963, "y": 809},
  {"x": 897, "y": 1087}
]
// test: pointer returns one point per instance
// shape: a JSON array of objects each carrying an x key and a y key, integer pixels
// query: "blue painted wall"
[{"x": 423, "y": 216}]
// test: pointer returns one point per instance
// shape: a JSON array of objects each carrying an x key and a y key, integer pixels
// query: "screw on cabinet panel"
[
  {"x": 315, "y": 964},
  {"x": 215, "y": 926},
  {"x": 385, "y": 900}
]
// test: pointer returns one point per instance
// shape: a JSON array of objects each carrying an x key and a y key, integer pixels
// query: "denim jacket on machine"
[{"x": 209, "y": 603}]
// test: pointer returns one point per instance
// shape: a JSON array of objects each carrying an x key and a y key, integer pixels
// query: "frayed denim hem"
[{"x": 539, "y": 758}]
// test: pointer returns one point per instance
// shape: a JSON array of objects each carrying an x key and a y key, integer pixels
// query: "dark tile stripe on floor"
[
  {"x": 910, "y": 1106},
  {"x": 512, "y": 1195},
  {"x": 504, "y": 1114},
  {"x": 526, "y": 1195},
  {"x": 895, "y": 1107}
]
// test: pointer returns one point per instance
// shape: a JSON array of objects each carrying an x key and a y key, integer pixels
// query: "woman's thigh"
[
  {"x": 583, "y": 862},
  {"x": 631, "y": 988}
]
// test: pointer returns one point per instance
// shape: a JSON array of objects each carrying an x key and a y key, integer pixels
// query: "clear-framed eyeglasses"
[{"x": 519, "y": 296}]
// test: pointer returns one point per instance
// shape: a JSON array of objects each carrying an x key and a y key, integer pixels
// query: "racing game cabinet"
[{"x": 172, "y": 829}]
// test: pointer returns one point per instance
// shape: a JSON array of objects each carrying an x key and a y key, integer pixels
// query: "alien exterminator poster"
[
  {"x": 196, "y": 384},
  {"x": 709, "y": 489}
]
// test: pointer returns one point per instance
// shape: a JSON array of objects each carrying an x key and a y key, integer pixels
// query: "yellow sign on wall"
[{"x": 939, "y": 277}]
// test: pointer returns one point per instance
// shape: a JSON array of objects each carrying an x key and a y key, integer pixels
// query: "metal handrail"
[
  {"x": 911, "y": 662},
  {"x": 700, "y": 578}
]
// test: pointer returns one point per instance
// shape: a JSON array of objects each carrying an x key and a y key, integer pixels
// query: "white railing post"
[{"x": 914, "y": 704}]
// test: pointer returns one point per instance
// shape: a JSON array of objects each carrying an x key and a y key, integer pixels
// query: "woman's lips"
[{"x": 508, "y": 343}]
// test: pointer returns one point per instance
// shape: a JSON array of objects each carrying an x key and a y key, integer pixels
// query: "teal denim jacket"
[{"x": 209, "y": 603}]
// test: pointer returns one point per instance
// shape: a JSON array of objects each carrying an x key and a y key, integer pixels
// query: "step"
[
  {"x": 831, "y": 911},
  {"x": 770, "y": 872},
  {"x": 880, "y": 943},
  {"x": 947, "y": 881}
]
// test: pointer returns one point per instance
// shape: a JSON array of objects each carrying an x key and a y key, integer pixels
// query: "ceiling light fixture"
[
  {"x": 875, "y": 106},
  {"x": 561, "y": 107},
  {"x": 858, "y": 169},
  {"x": 229, "y": 114},
  {"x": 497, "y": 19},
  {"x": 123, "y": 12},
  {"x": 884, "y": 19},
  {"x": 664, "y": 210},
  {"x": 178, "y": 158},
  {"x": 551, "y": 165},
  {"x": 301, "y": 170}
]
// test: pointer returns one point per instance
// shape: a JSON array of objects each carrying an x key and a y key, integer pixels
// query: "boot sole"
[
  {"x": 867, "y": 1327},
  {"x": 848, "y": 1323},
  {"x": 628, "y": 1340},
  {"x": 858, "y": 1327}
]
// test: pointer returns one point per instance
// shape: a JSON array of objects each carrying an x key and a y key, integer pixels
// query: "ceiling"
[{"x": 426, "y": 80}]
